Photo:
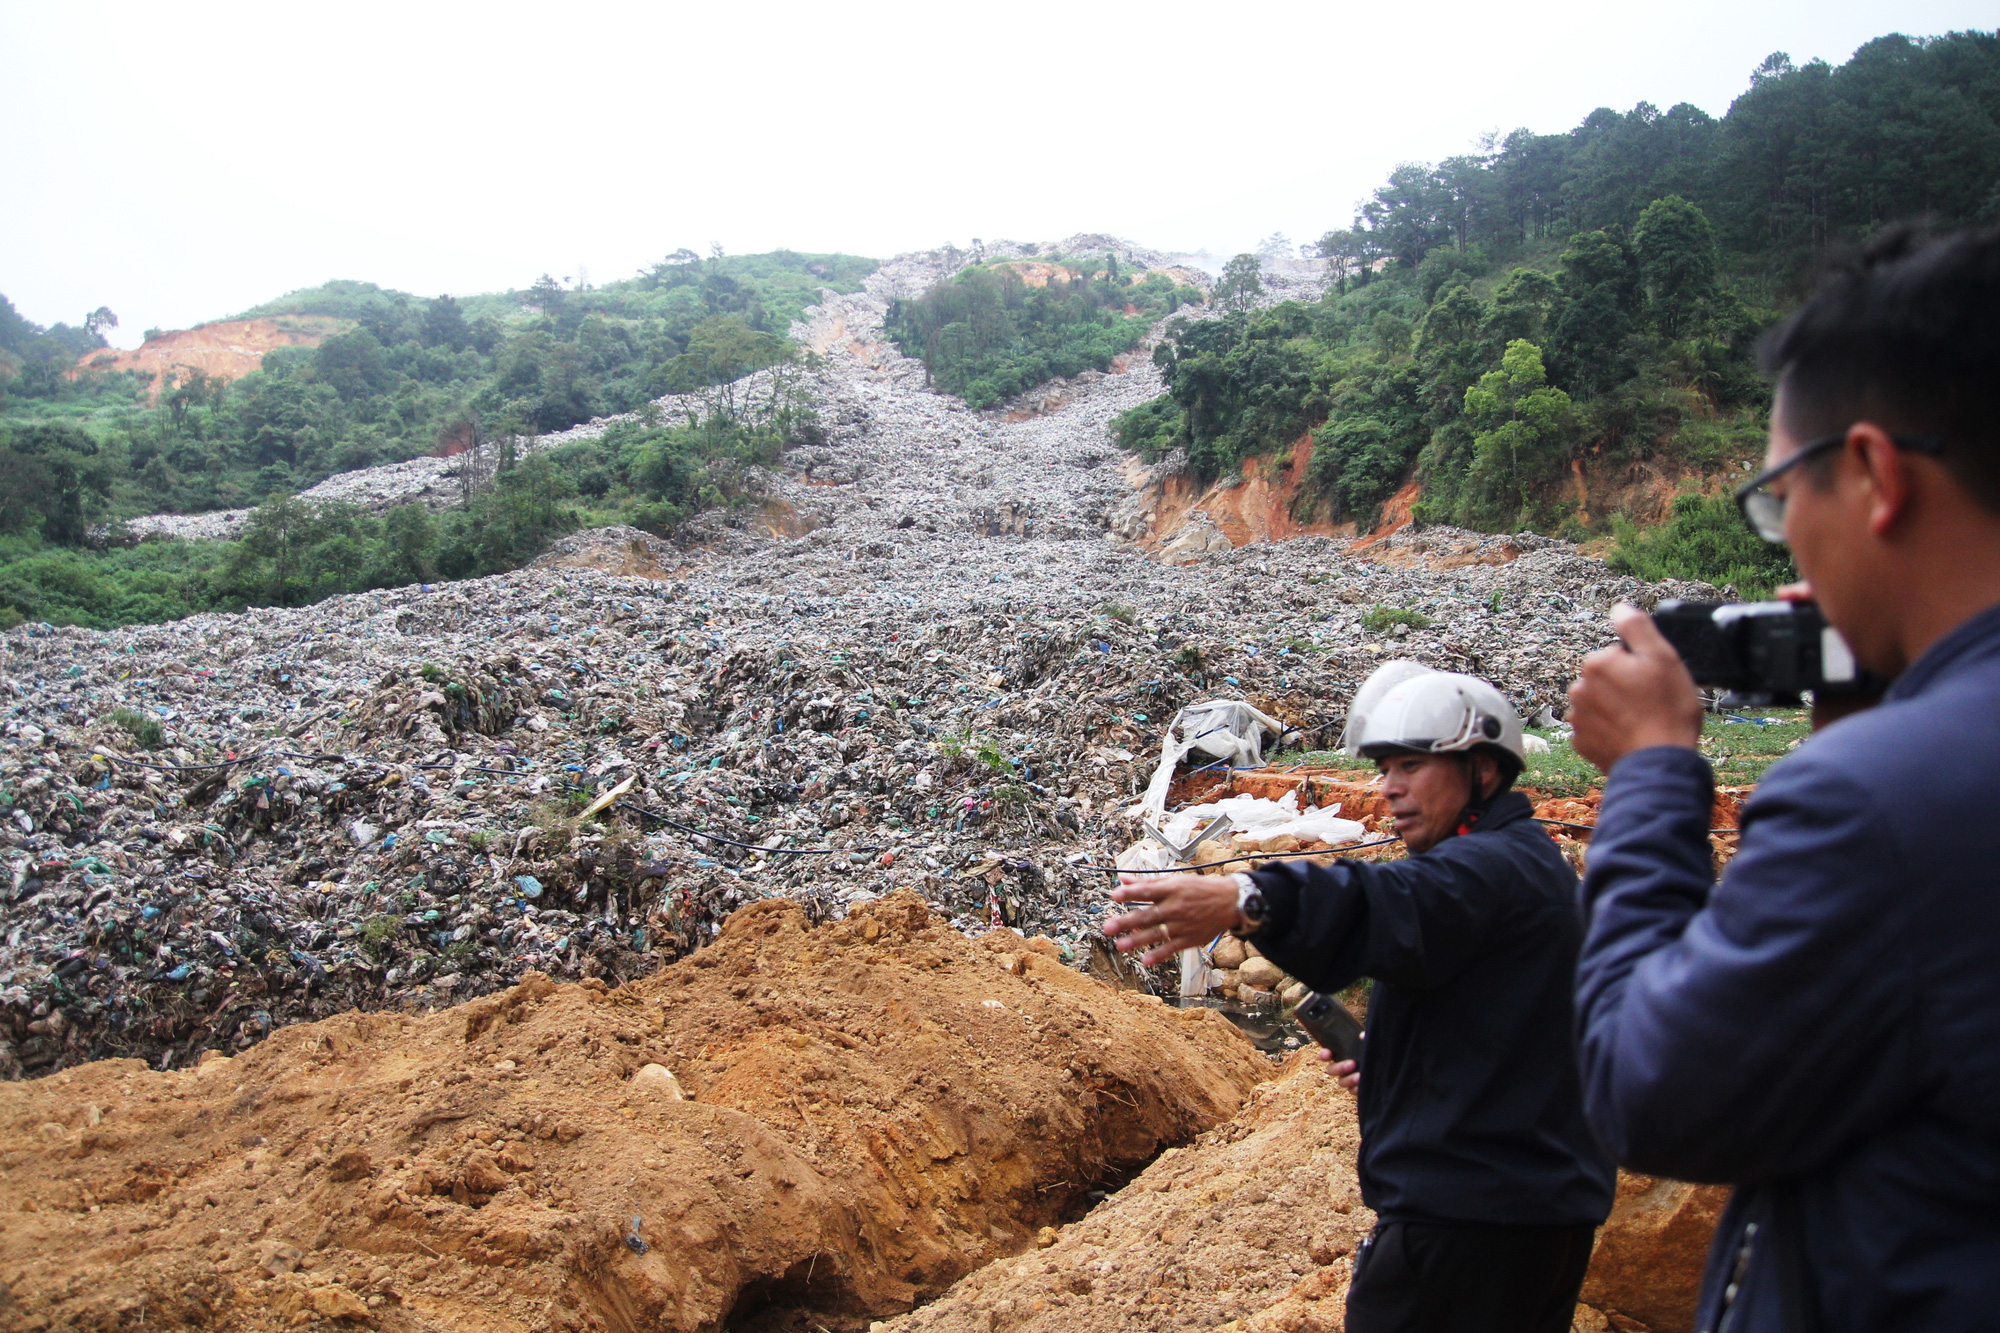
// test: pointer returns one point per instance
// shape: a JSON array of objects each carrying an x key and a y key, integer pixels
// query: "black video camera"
[
  {"x": 1764, "y": 653},
  {"x": 1327, "y": 1022}
]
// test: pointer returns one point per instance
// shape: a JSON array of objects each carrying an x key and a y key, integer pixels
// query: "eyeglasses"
[{"x": 1764, "y": 510}]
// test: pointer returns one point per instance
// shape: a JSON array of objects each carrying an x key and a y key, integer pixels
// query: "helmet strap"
[{"x": 1476, "y": 800}]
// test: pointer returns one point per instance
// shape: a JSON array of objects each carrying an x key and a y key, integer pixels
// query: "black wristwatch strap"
[{"x": 1250, "y": 906}]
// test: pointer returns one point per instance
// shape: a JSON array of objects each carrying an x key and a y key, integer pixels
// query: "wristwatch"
[{"x": 1250, "y": 906}]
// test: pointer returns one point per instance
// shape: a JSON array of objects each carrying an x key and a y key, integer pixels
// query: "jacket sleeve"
[
  {"x": 1752, "y": 1029},
  {"x": 1414, "y": 922}
]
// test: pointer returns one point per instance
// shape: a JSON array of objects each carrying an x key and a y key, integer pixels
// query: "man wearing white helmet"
[{"x": 1486, "y": 1181}]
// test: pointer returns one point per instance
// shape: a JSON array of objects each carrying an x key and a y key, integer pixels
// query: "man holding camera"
[
  {"x": 1485, "y": 1180},
  {"x": 1822, "y": 1027}
]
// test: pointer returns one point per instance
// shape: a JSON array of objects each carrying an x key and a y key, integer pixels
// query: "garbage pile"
[
  {"x": 395, "y": 799},
  {"x": 955, "y": 681}
]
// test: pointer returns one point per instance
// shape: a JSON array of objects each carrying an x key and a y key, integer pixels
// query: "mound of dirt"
[
  {"x": 1249, "y": 1228},
  {"x": 871, "y": 1109},
  {"x": 1250, "y": 1223}
]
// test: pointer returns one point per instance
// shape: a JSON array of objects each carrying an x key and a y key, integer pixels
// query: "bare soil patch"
[
  {"x": 225, "y": 350},
  {"x": 873, "y": 1108}
]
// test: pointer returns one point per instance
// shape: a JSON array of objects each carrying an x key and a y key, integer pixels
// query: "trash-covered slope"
[
  {"x": 950, "y": 682},
  {"x": 839, "y": 1120},
  {"x": 375, "y": 801}
]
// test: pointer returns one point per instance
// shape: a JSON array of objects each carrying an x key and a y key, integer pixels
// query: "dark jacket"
[
  {"x": 1822, "y": 1028},
  {"x": 1470, "y": 1107}
]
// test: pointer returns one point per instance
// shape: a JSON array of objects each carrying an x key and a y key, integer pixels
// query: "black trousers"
[{"x": 1414, "y": 1277}]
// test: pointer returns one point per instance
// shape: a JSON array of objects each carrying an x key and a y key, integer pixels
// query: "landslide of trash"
[
  {"x": 937, "y": 657},
  {"x": 390, "y": 800},
  {"x": 832, "y": 1121}
]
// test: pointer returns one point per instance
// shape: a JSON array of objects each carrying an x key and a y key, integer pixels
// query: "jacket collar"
[
  {"x": 1509, "y": 807},
  {"x": 1975, "y": 638}
]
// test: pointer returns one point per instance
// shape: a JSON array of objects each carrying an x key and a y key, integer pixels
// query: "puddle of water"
[{"x": 1264, "y": 1024}]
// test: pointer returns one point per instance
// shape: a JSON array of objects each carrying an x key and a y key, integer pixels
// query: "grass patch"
[
  {"x": 143, "y": 730},
  {"x": 377, "y": 934},
  {"x": 1382, "y": 619},
  {"x": 1740, "y": 751},
  {"x": 1120, "y": 612}
]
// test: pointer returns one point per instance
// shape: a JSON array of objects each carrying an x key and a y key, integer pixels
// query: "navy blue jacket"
[
  {"x": 1470, "y": 1106},
  {"x": 1822, "y": 1028}
]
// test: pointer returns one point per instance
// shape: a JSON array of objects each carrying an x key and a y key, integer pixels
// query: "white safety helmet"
[{"x": 1407, "y": 707}]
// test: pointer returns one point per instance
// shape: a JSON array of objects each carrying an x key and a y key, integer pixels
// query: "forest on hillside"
[
  {"x": 1592, "y": 296},
  {"x": 408, "y": 375},
  {"x": 405, "y": 377},
  {"x": 986, "y": 334}
]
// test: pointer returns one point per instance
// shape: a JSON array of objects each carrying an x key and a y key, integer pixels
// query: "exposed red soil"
[
  {"x": 874, "y": 1108},
  {"x": 1036, "y": 273},
  {"x": 1255, "y": 506},
  {"x": 1256, "y": 1214},
  {"x": 1249, "y": 1230},
  {"x": 1264, "y": 503},
  {"x": 227, "y": 350}
]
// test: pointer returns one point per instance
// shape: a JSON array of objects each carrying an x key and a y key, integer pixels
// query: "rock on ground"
[{"x": 873, "y": 1108}]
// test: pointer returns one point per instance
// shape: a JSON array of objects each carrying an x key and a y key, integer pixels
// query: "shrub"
[
  {"x": 1382, "y": 619},
  {"x": 143, "y": 730},
  {"x": 1705, "y": 539},
  {"x": 377, "y": 934}
]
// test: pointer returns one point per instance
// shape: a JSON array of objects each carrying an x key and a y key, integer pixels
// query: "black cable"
[{"x": 1565, "y": 823}]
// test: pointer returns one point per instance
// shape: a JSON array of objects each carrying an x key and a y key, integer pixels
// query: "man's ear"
[{"x": 1885, "y": 470}]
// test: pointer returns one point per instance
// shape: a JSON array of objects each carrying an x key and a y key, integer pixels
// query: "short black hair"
[{"x": 1904, "y": 332}]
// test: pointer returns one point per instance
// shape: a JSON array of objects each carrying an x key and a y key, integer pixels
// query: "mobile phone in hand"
[{"x": 1328, "y": 1022}]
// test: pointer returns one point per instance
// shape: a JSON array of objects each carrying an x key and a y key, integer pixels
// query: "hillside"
[
  {"x": 349, "y": 375},
  {"x": 1556, "y": 333}
]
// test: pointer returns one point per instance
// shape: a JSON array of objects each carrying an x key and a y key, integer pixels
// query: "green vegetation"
[
  {"x": 1588, "y": 298},
  {"x": 1740, "y": 746},
  {"x": 408, "y": 377},
  {"x": 1704, "y": 538},
  {"x": 1382, "y": 619},
  {"x": 144, "y": 731},
  {"x": 1119, "y": 611},
  {"x": 34, "y": 362},
  {"x": 294, "y": 552},
  {"x": 379, "y": 933},
  {"x": 986, "y": 335}
]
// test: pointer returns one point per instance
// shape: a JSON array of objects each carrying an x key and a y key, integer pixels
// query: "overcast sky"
[{"x": 180, "y": 164}]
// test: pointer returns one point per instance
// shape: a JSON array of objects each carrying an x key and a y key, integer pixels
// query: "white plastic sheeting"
[
  {"x": 1247, "y": 814},
  {"x": 1268, "y": 819},
  {"x": 1227, "y": 729}
]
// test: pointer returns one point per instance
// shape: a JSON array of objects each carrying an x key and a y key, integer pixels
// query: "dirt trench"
[
  {"x": 1250, "y": 1229},
  {"x": 872, "y": 1109}
]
